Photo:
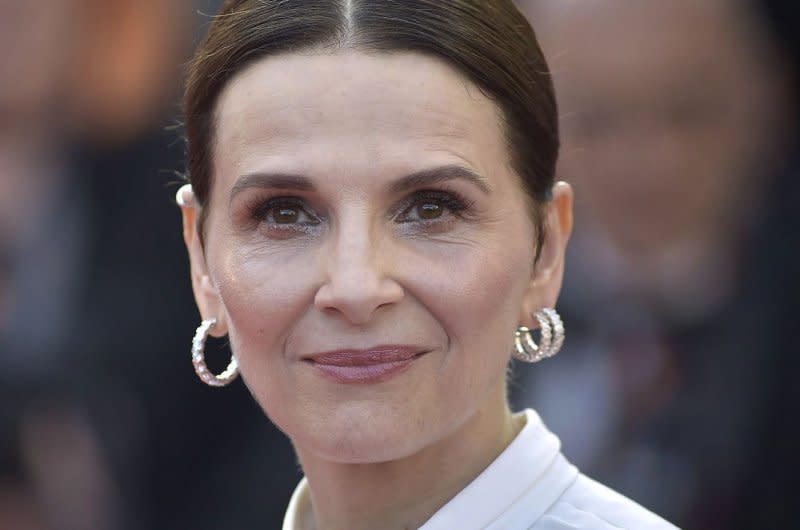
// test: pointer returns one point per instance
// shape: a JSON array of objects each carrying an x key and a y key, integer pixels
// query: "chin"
[
  {"x": 360, "y": 434},
  {"x": 365, "y": 448}
]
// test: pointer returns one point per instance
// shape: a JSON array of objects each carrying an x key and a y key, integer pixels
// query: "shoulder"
[{"x": 589, "y": 505}]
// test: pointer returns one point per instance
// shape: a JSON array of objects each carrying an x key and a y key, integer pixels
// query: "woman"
[{"x": 373, "y": 222}]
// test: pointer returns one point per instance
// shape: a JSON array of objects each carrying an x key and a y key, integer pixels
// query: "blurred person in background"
[
  {"x": 43, "y": 225},
  {"x": 676, "y": 122},
  {"x": 92, "y": 319}
]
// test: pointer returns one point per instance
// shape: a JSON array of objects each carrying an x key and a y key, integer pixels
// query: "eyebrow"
[
  {"x": 281, "y": 181},
  {"x": 437, "y": 175},
  {"x": 426, "y": 177}
]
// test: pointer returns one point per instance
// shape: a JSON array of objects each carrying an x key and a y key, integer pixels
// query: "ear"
[
  {"x": 545, "y": 283},
  {"x": 206, "y": 294}
]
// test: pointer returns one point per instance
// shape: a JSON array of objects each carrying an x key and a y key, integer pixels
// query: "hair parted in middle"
[{"x": 488, "y": 41}]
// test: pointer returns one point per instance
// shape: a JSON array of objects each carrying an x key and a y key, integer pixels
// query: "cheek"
[
  {"x": 475, "y": 292},
  {"x": 479, "y": 289},
  {"x": 263, "y": 293}
]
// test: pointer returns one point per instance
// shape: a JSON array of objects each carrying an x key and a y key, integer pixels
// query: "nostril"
[{"x": 359, "y": 298}]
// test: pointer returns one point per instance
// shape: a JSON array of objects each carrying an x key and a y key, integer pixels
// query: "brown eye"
[
  {"x": 286, "y": 215},
  {"x": 284, "y": 212},
  {"x": 429, "y": 210},
  {"x": 432, "y": 207}
]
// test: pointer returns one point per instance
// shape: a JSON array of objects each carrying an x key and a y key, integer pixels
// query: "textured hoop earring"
[
  {"x": 551, "y": 338},
  {"x": 559, "y": 332},
  {"x": 199, "y": 358}
]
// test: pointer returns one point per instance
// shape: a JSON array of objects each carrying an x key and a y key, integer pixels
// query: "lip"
[{"x": 373, "y": 365}]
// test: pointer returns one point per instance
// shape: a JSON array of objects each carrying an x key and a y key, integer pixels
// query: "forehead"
[{"x": 353, "y": 111}]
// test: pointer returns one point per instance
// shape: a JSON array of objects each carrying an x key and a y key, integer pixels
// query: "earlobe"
[
  {"x": 206, "y": 294},
  {"x": 545, "y": 285}
]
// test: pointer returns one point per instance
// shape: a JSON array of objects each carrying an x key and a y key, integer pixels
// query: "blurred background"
[{"x": 677, "y": 382}]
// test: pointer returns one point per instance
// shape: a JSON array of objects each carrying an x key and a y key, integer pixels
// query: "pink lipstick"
[{"x": 372, "y": 365}]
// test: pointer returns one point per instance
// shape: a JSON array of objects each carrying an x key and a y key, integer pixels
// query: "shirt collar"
[
  {"x": 531, "y": 466},
  {"x": 298, "y": 504}
]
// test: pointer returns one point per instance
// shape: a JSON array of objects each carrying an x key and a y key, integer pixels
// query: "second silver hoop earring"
[
  {"x": 199, "y": 358},
  {"x": 551, "y": 337}
]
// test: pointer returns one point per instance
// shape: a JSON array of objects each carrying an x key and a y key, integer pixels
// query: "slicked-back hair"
[{"x": 488, "y": 41}]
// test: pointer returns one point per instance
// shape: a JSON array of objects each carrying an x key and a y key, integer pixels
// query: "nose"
[{"x": 358, "y": 276}]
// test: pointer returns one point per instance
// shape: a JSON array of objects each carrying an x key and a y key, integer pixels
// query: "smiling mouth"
[{"x": 372, "y": 365}]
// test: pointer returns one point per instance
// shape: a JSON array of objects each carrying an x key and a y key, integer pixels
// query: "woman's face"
[{"x": 368, "y": 249}]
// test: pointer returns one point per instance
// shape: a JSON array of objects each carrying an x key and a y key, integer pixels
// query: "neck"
[{"x": 405, "y": 493}]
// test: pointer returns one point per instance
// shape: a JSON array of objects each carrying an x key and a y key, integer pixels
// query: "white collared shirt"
[{"x": 529, "y": 486}]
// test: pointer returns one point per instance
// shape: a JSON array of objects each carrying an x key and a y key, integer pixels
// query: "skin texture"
[{"x": 361, "y": 267}]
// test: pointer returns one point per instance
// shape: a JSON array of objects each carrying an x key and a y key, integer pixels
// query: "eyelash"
[
  {"x": 261, "y": 208},
  {"x": 455, "y": 204}
]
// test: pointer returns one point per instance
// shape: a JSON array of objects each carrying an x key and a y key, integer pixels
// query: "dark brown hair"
[{"x": 489, "y": 41}]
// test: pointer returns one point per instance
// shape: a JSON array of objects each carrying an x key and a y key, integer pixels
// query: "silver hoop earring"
[
  {"x": 551, "y": 338},
  {"x": 199, "y": 358},
  {"x": 558, "y": 330}
]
